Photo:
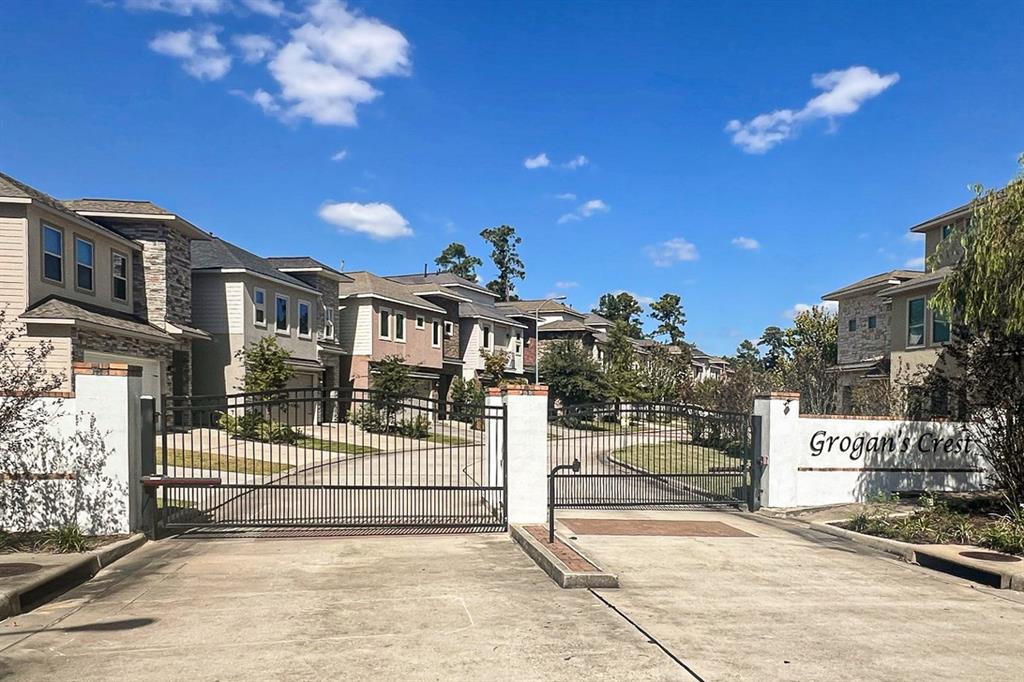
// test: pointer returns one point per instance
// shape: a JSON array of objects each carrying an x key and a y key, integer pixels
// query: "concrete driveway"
[
  {"x": 467, "y": 607},
  {"x": 788, "y": 603}
]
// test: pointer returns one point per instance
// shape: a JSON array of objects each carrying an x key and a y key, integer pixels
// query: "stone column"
[
  {"x": 779, "y": 413},
  {"x": 527, "y": 447}
]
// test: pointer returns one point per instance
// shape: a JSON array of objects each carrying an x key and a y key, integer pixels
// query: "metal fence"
[
  {"x": 650, "y": 455},
  {"x": 347, "y": 459}
]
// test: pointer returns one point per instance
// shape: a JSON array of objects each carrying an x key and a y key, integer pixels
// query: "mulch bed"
[{"x": 37, "y": 542}]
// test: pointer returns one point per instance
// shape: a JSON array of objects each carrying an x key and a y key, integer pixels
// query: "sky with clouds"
[{"x": 748, "y": 157}]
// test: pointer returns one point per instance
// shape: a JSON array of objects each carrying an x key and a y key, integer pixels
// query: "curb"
[
  {"x": 48, "y": 583},
  {"x": 557, "y": 570},
  {"x": 903, "y": 550}
]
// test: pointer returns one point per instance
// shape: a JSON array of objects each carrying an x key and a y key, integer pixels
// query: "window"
[
  {"x": 53, "y": 254},
  {"x": 385, "y": 324},
  {"x": 259, "y": 307},
  {"x": 940, "y": 328},
  {"x": 449, "y": 328},
  {"x": 435, "y": 334},
  {"x": 946, "y": 230},
  {"x": 281, "y": 317},
  {"x": 852, "y": 325},
  {"x": 487, "y": 337},
  {"x": 420, "y": 322},
  {"x": 400, "y": 327},
  {"x": 328, "y": 322},
  {"x": 915, "y": 322},
  {"x": 872, "y": 322},
  {"x": 119, "y": 271},
  {"x": 304, "y": 319},
  {"x": 519, "y": 343},
  {"x": 85, "y": 262}
]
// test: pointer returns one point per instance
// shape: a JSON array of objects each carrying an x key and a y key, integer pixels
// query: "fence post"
[
  {"x": 754, "y": 501},
  {"x": 148, "y": 466},
  {"x": 526, "y": 444}
]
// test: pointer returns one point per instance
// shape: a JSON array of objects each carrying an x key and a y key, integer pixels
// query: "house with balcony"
[
  {"x": 101, "y": 280},
  {"x": 239, "y": 298}
]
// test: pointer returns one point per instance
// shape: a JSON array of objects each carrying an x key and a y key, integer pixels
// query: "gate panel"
[
  {"x": 305, "y": 457},
  {"x": 641, "y": 455}
]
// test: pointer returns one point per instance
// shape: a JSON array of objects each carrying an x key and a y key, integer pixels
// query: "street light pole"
[{"x": 536, "y": 337}]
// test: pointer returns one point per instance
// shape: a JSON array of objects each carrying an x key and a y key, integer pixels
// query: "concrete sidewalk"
[
  {"x": 790, "y": 603},
  {"x": 464, "y": 607}
]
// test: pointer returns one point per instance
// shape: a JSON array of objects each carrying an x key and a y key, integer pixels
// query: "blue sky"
[{"x": 852, "y": 122}]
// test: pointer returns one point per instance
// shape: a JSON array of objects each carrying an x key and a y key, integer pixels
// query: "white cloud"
[
  {"x": 578, "y": 162},
  {"x": 566, "y": 285},
  {"x": 270, "y": 8},
  {"x": 539, "y": 161},
  {"x": 915, "y": 262},
  {"x": 184, "y": 8},
  {"x": 379, "y": 221},
  {"x": 672, "y": 251},
  {"x": 254, "y": 47},
  {"x": 746, "y": 243},
  {"x": 339, "y": 155},
  {"x": 830, "y": 306},
  {"x": 566, "y": 196},
  {"x": 844, "y": 91},
  {"x": 200, "y": 52},
  {"x": 585, "y": 210},
  {"x": 324, "y": 69}
]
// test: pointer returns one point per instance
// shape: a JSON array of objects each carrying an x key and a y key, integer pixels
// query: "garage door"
[{"x": 151, "y": 370}]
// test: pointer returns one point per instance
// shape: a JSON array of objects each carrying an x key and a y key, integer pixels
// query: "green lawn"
[
  {"x": 676, "y": 457},
  {"x": 222, "y": 462},
  {"x": 334, "y": 446},
  {"x": 445, "y": 439}
]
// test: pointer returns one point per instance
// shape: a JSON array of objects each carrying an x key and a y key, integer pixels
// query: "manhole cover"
[
  {"x": 990, "y": 556},
  {"x": 7, "y": 570}
]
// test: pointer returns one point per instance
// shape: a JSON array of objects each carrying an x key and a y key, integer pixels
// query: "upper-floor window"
[
  {"x": 915, "y": 322},
  {"x": 940, "y": 328},
  {"x": 329, "y": 322},
  {"x": 421, "y": 322},
  {"x": 852, "y": 325},
  {"x": 519, "y": 343},
  {"x": 85, "y": 264},
  {"x": 946, "y": 230},
  {"x": 399, "y": 326},
  {"x": 53, "y": 254},
  {"x": 259, "y": 307},
  {"x": 435, "y": 334},
  {"x": 281, "y": 310},
  {"x": 384, "y": 318},
  {"x": 119, "y": 272},
  {"x": 487, "y": 337},
  {"x": 449, "y": 327},
  {"x": 872, "y": 322},
  {"x": 304, "y": 327}
]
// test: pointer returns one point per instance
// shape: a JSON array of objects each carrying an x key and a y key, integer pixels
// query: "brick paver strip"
[
  {"x": 566, "y": 554},
  {"x": 695, "y": 529}
]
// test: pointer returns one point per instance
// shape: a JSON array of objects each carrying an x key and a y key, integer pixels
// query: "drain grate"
[
  {"x": 8, "y": 570},
  {"x": 990, "y": 556}
]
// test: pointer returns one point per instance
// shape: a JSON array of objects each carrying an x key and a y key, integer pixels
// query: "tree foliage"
[
  {"x": 621, "y": 364},
  {"x": 456, "y": 260},
  {"x": 265, "y": 366},
  {"x": 392, "y": 383},
  {"x": 571, "y": 373},
  {"x": 776, "y": 352},
  {"x": 622, "y": 307},
  {"x": 495, "y": 363},
  {"x": 986, "y": 288},
  {"x": 505, "y": 256},
  {"x": 664, "y": 376},
  {"x": 668, "y": 312}
]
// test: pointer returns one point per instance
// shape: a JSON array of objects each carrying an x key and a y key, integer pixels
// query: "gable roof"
[
  {"x": 564, "y": 326},
  {"x": 449, "y": 279},
  {"x": 216, "y": 255},
  {"x": 597, "y": 320},
  {"x": 530, "y": 306},
  {"x": 881, "y": 280},
  {"x": 11, "y": 188},
  {"x": 487, "y": 312},
  {"x": 948, "y": 216},
  {"x": 133, "y": 209},
  {"x": 305, "y": 264},
  {"x": 365, "y": 284}
]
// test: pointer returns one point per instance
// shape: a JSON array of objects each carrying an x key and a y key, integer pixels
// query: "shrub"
[
  {"x": 417, "y": 427},
  {"x": 276, "y": 432},
  {"x": 254, "y": 426},
  {"x": 369, "y": 419},
  {"x": 466, "y": 400},
  {"x": 66, "y": 539}
]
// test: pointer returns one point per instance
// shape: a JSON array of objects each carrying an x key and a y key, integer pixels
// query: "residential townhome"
[
  {"x": 887, "y": 328},
  {"x": 548, "y": 320},
  {"x": 483, "y": 327},
  {"x": 706, "y": 366},
  {"x": 239, "y": 298},
  {"x": 325, "y": 280},
  {"x": 95, "y": 287}
]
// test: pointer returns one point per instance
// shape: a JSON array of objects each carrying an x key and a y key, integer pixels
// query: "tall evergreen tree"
[
  {"x": 668, "y": 312},
  {"x": 456, "y": 260},
  {"x": 622, "y": 307},
  {"x": 505, "y": 256}
]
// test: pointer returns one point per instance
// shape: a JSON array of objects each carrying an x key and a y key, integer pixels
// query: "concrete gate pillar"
[{"x": 526, "y": 432}]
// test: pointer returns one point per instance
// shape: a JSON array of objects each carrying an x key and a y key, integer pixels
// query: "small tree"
[
  {"x": 622, "y": 306},
  {"x": 495, "y": 363},
  {"x": 265, "y": 365},
  {"x": 621, "y": 364},
  {"x": 466, "y": 398},
  {"x": 391, "y": 385},
  {"x": 24, "y": 378},
  {"x": 456, "y": 260},
  {"x": 668, "y": 312},
  {"x": 505, "y": 255},
  {"x": 811, "y": 344},
  {"x": 664, "y": 376},
  {"x": 572, "y": 374}
]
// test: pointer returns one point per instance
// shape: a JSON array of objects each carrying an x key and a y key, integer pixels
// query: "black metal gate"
[
  {"x": 316, "y": 458},
  {"x": 647, "y": 455}
]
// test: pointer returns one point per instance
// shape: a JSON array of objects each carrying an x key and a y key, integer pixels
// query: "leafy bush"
[
  {"x": 417, "y": 427},
  {"x": 1007, "y": 533},
  {"x": 254, "y": 426},
  {"x": 465, "y": 400},
  {"x": 66, "y": 539},
  {"x": 369, "y": 419}
]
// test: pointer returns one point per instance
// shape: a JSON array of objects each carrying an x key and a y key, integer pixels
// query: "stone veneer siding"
[
  {"x": 112, "y": 343},
  {"x": 863, "y": 344}
]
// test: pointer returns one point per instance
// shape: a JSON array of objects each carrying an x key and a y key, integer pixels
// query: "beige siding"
[
  {"x": 355, "y": 320},
  {"x": 13, "y": 265},
  {"x": 209, "y": 303},
  {"x": 297, "y": 347}
]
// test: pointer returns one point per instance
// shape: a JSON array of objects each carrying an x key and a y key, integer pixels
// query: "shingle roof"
[
  {"x": 54, "y": 307},
  {"x": 304, "y": 263},
  {"x": 597, "y": 320},
  {"x": 923, "y": 280},
  {"x": 529, "y": 306},
  {"x": 217, "y": 254},
  {"x": 476, "y": 309},
  {"x": 9, "y": 187},
  {"x": 564, "y": 326},
  {"x": 116, "y": 206},
  {"x": 443, "y": 278},
  {"x": 368, "y": 284},
  {"x": 881, "y": 279},
  {"x": 953, "y": 214}
]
